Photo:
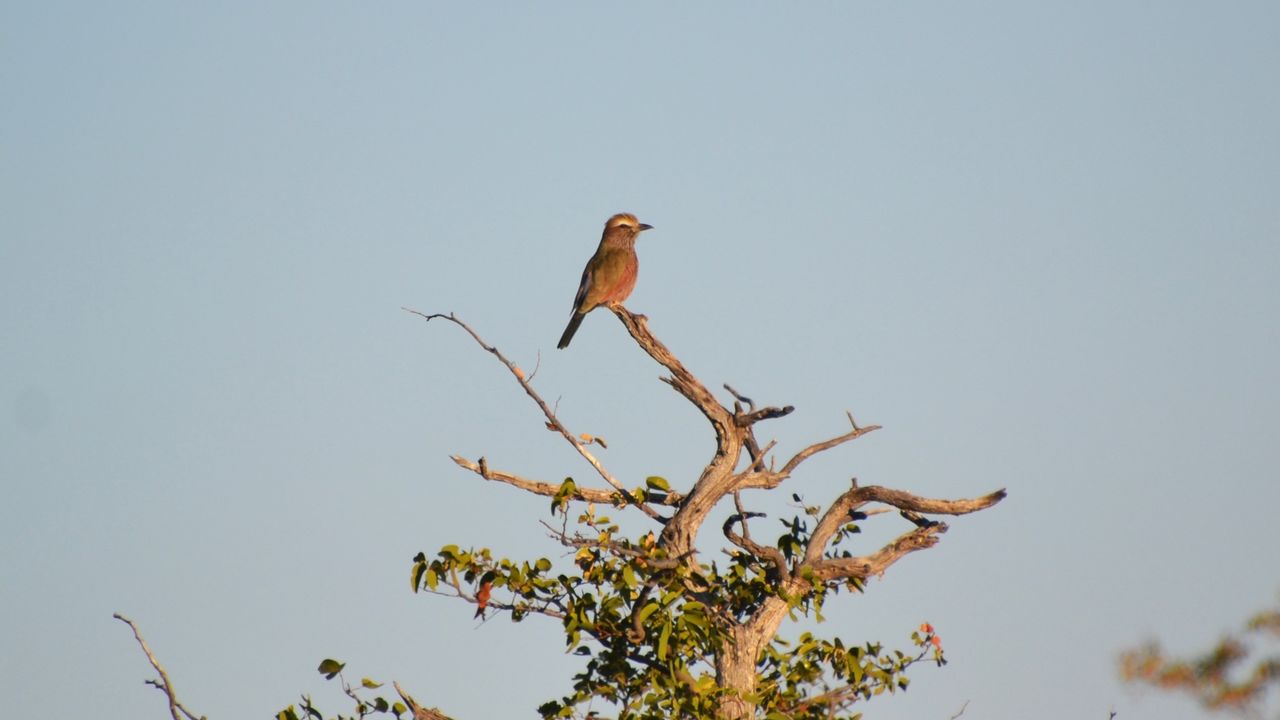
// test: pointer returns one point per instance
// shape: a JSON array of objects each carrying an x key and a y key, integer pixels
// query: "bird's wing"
[{"x": 583, "y": 288}]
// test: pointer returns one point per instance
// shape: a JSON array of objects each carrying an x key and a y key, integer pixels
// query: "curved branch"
[
  {"x": 765, "y": 413},
  {"x": 838, "y": 514},
  {"x": 716, "y": 479},
  {"x": 818, "y": 447},
  {"x": 876, "y": 563},
  {"x": 772, "y": 554},
  {"x": 681, "y": 379},
  {"x": 756, "y": 478}
]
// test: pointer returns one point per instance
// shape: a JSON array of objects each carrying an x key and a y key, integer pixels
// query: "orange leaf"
[{"x": 926, "y": 628}]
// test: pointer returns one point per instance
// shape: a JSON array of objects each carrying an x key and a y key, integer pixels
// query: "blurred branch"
[{"x": 1219, "y": 678}]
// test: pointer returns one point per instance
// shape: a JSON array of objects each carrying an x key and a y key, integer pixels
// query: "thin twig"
[
  {"x": 751, "y": 404},
  {"x": 737, "y": 504},
  {"x": 164, "y": 684}
]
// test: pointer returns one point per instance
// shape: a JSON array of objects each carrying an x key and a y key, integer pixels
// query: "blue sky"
[{"x": 1039, "y": 243}]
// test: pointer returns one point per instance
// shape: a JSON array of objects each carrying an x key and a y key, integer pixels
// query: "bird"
[
  {"x": 482, "y": 596},
  {"x": 610, "y": 274}
]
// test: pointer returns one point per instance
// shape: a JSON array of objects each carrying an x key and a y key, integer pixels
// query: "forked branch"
[
  {"x": 552, "y": 421},
  {"x": 838, "y": 514}
]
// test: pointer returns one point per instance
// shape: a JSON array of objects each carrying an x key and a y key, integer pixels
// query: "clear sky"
[{"x": 1038, "y": 242}]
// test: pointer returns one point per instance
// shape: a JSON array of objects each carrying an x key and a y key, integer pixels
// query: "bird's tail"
[{"x": 574, "y": 322}]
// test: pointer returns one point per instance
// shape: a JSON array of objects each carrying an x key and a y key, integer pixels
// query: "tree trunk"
[
  {"x": 737, "y": 659},
  {"x": 736, "y": 670}
]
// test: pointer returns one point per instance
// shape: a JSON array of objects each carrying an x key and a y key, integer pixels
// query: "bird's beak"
[{"x": 645, "y": 226}]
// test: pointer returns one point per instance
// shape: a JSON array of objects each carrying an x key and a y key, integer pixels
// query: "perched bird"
[
  {"x": 610, "y": 274},
  {"x": 482, "y": 596}
]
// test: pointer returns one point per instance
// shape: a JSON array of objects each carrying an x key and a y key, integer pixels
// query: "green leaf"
[
  {"x": 649, "y": 608},
  {"x": 663, "y": 638},
  {"x": 370, "y": 683},
  {"x": 330, "y": 667},
  {"x": 657, "y": 483}
]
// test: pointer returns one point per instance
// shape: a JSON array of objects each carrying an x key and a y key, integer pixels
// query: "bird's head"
[{"x": 628, "y": 221}]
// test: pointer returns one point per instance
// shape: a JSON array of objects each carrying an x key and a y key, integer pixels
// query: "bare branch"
[
  {"x": 877, "y": 562},
  {"x": 717, "y": 477},
  {"x": 754, "y": 452},
  {"x": 681, "y": 379},
  {"x": 758, "y": 478},
  {"x": 552, "y": 420},
  {"x": 765, "y": 413},
  {"x": 752, "y": 415},
  {"x": 737, "y": 504},
  {"x": 818, "y": 447},
  {"x": 164, "y": 684},
  {"x": 771, "y": 554},
  {"x": 538, "y": 487},
  {"x": 751, "y": 404},
  {"x": 854, "y": 498},
  {"x": 757, "y": 454}
]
